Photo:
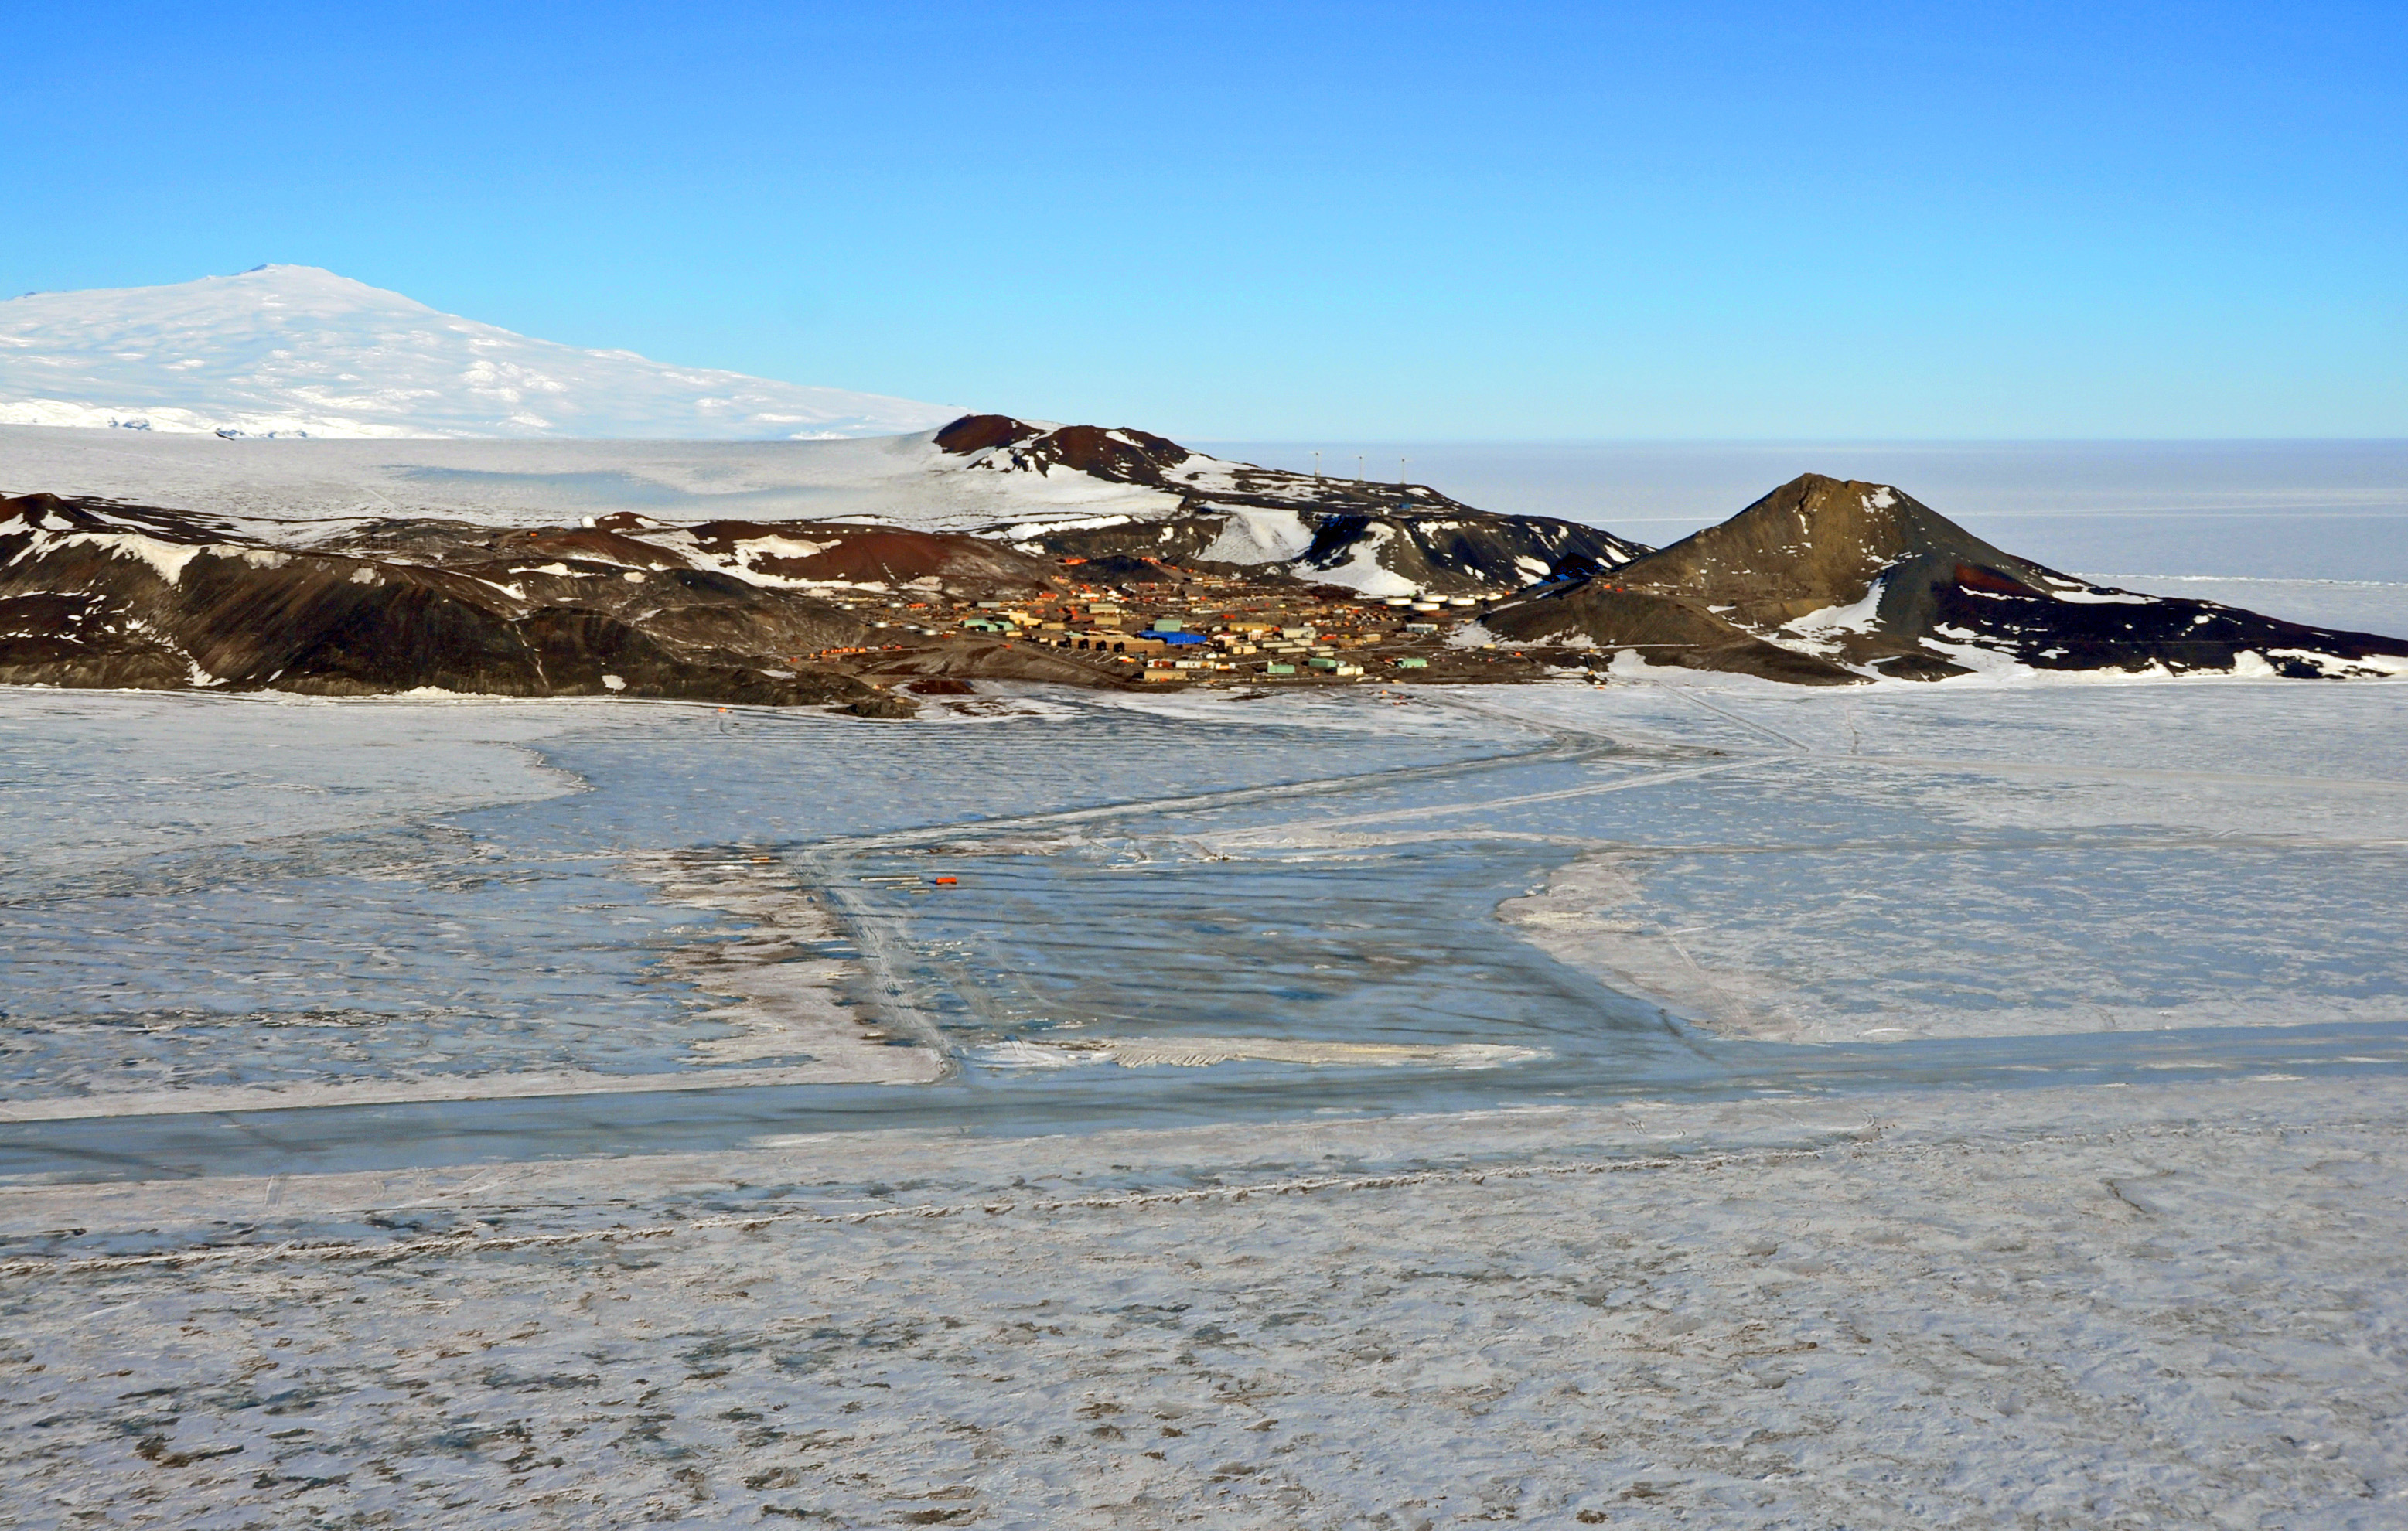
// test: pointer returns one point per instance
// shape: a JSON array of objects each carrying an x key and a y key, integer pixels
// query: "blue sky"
[{"x": 1279, "y": 221}]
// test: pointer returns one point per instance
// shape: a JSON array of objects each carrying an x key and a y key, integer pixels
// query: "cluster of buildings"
[
  {"x": 1182, "y": 633},
  {"x": 1193, "y": 626}
]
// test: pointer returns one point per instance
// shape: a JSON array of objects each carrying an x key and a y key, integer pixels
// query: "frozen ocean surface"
[{"x": 456, "y": 929}]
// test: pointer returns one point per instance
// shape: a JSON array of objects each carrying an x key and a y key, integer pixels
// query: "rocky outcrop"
[
  {"x": 1394, "y": 552},
  {"x": 94, "y": 594},
  {"x": 1002, "y": 443}
]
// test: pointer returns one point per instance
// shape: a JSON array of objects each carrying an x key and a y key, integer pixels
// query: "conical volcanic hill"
[
  {"x": 1815, "y": 542},
  {"x": 1872, "y": 581}
]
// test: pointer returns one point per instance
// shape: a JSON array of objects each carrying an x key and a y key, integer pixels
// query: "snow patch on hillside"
[
  {"x": 1819, "y": 632},
  {"x": 1260, "y": 536},
  {"x": 1362, "y": 568}
]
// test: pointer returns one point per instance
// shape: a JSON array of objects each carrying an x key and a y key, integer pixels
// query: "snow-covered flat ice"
[
  {"x": 218, "y": 903},
  {"x": 1665, "y": 1102}
]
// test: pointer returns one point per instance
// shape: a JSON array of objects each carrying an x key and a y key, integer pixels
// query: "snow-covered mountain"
[{"x": 294, "y": 351}]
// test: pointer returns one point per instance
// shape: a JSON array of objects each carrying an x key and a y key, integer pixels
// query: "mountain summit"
[{"x": 296, "y": 351}]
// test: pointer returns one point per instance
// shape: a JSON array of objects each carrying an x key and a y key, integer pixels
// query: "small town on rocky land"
[
  {"x": 1280, "y": 767},
  {"x": 1210, "y": 629}
]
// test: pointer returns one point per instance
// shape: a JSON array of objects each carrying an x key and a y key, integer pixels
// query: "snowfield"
[{"x": 292, "y": 350}]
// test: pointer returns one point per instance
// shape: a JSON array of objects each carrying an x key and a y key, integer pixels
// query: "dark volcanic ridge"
[
  {"x": 1379, "y": 539},
  {"x": 1823, "y": 581},
  {"x": 1241, "y": 575},
  {"x": 113, "y": 596}
]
